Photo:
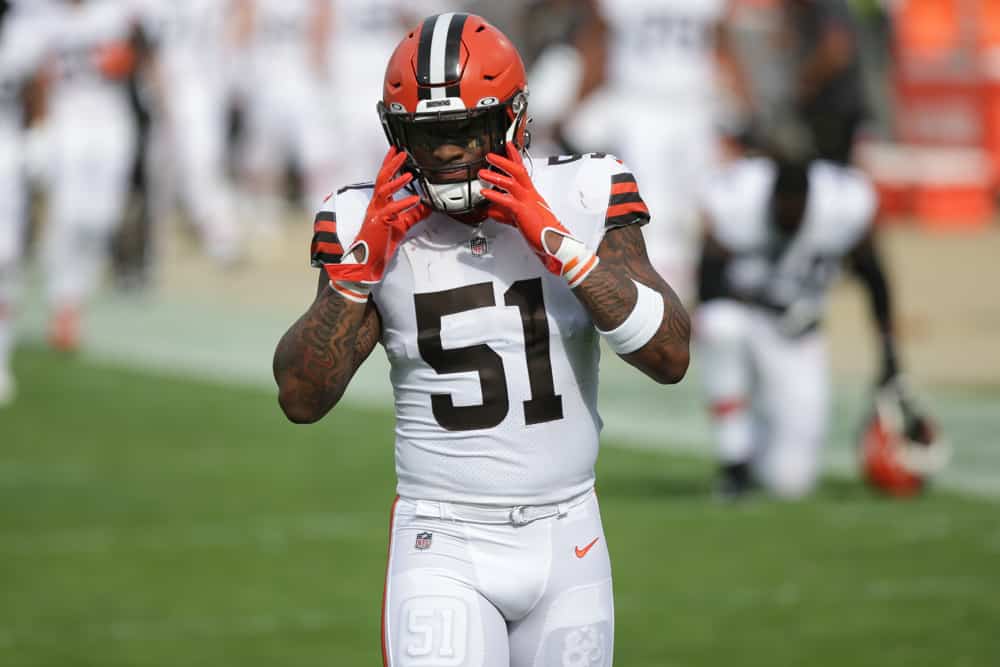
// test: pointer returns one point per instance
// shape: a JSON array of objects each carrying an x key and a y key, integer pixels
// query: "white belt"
[{"x": 519, "y": 515}]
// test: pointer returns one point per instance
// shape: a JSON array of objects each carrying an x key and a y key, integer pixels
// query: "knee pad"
[
  {"x": 790, "y": 476},
  {"x": 721, "y": 335},
  {"x": 721, "y": 323}
]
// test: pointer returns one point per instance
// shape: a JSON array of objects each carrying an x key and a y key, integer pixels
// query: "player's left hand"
[
  {"x": 518, "y": 203},
  {"x": 916, "y": 425}
]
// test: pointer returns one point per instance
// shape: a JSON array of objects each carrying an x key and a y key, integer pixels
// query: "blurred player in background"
[
  {"x": 364, "y": 34},
  {"x": 653, "y": 72},
  {"x": 193, "y": 41},
  {"x": 286, "y": 86},
  {"x": 93, "y": 143},
  {"x": 487, "y": 276},
  {"x": 776, "y": 235},
  {"x": 20, "y": 58},
  {"x": 827, "y": 87}
]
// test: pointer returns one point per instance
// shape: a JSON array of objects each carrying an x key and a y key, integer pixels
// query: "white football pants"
[
  {"x": 93, "y": 142},
  {"x": 12, "y": 199},
  {"x": 196, "y": 128},
  {"x": 292, "y": 119},
  {"x": 467, "y": 594},
  {"x": 768, "y": 394}
]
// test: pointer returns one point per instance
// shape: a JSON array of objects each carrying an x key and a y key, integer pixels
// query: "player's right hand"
[{"x": 386, "y": 222}]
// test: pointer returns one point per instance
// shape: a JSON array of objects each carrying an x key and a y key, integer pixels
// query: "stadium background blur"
[{"x": 155, "y": 508}]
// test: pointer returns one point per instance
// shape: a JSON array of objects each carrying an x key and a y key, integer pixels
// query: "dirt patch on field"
[{"x": 947, "y": 306}]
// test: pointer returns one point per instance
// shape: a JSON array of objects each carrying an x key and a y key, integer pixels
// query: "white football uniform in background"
[
  {"x": 192, "y": 53},
  {"x": 290, "y": 111},
  {"x": 93, "y": 138},
  {"x": 365, "y": 34},
  {"x": 658, "y": 112},
  {"x": 764, "y": 365},
  {"x": 20, "y": 57},
  {"x": 494, "y": 367}
]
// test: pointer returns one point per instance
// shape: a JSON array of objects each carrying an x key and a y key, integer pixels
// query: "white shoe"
[{"x": 8, "y": 389}]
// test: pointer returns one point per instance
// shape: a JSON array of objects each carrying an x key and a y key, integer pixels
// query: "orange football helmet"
[
  {"x": 900, "y": 449},
  {"x": 454, "y": 80}
]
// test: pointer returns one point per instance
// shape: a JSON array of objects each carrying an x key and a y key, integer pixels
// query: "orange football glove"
[
  {"x": 386, "y": 222},
  {"x": 518, "y": 203}
]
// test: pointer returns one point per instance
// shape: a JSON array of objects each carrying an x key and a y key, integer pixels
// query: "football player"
[
  {"x": 776, "y": 235},
  {"x": 489, "y": 278},
  {"x": 93, "y": 138},
  {"x": 286, "y": 88},
  {"x": 20, "y": 57},
  {"x": 661, "y": 66},
  {"x": 190, "y": 43},
  {"x": 365, "y": 33}
]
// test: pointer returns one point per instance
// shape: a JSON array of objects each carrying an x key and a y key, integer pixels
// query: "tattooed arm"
[
  {"x": 609, "y": 296},
  {"x": 319, "y": 354}
]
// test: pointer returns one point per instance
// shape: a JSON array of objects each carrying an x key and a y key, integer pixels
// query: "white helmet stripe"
[{"x": 439, "y": 49}]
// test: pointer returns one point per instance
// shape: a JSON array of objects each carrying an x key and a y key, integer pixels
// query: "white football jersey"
[
  {"x": 796, "y": 272},
  {"x": 663, "y": 48},
  {"x": 494, "y": 360}
]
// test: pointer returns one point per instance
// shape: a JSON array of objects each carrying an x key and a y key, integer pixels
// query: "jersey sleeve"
[
  {"x": 625, "y": 205},
  {"x": 848, "y": 203},
  {"x": 338, "y": 222},
  {"x": 326, "y": 247}
]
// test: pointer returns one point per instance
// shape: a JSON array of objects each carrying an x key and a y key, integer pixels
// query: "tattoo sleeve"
[
  {"x": 317, "y": 357},
  {"x": 609, "y": 295}
]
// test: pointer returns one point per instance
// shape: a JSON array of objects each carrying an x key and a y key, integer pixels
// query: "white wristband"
[
  {"x": 577, "y": 260},
  {"x": 640, "y": 325},
  {"x": 352, "y": 291}
]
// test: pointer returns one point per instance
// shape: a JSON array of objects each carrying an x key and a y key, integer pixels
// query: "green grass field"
[{"x": 147, "y": 520}]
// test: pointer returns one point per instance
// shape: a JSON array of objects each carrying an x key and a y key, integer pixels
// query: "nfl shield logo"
[
  {"x": 479, "y": 246},
  {"x": 423, "y": 541}
]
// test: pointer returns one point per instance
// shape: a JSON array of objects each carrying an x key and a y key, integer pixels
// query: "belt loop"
[
  {"x": 429, "y": 509},
  {"x": 563, "y": 509},
  {"x": 517, "y": 516}
]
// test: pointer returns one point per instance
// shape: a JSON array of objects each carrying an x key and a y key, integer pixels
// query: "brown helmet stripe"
[
  {"x": 424, "y": 57},
  {"x": 453, "y": 54}
]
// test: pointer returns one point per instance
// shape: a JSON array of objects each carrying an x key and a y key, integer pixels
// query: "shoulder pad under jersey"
[
  {"x": 590, "y": 193},
  {"x": 338, "y": 222}
]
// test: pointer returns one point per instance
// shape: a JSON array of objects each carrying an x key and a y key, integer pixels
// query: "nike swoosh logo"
[{"x": 580, "y": 553}]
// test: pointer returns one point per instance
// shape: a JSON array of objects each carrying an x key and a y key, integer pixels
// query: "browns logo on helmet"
[{"x": 455, "y": 89}]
